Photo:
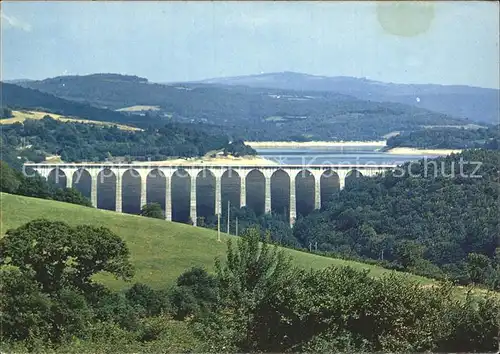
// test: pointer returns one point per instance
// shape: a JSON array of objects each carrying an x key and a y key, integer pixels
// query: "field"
[
  {"x": 138, "y": 109},
  {"x": 160, "y": 250},
  {"x": 21, "y": 116}
]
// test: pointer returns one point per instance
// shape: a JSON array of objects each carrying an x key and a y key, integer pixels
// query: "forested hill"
[
  {"x": 478, "y": 104},
  {"x": 74, "y": 142},
  {"x": 448, "y": 138},
  {"x": 17, "y": 97},
  {"x": 434, "y": 222},
  {"x": 248, "y": 113}
]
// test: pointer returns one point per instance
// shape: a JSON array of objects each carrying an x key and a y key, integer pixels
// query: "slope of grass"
[
  {"x": 21, "y": 116},
  {"x": 160, "y": 250}
]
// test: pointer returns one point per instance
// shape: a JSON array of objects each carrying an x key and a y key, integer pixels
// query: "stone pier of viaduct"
[{"x": 263, "y": 188}]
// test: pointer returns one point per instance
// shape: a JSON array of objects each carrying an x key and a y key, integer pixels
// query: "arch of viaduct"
[{"x": 286, "y": 180}]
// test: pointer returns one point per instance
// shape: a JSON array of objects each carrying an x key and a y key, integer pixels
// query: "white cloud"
[{"x": 12, "y": 22}]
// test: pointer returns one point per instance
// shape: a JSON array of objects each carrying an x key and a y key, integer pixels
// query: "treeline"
[
  {"x": 74, "y": 142},
  {"x": 257, "y": 301},
  {"x": 277, "y": 226},
  {"x": 5, "y": 112},
  {"x": 435, "y": 217},
  {"x": 448, "y": 138},
  {"x": 33, "y": 185},
  {"x": 238, "y": 148}
]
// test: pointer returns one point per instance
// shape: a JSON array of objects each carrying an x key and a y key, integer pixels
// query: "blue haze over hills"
[{"x": 475, "y": 103}]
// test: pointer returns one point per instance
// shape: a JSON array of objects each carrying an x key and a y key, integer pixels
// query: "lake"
[{"x": 336, "y": 155}]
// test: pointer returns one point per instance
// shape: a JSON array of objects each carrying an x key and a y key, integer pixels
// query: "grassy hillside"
[
  {"x": 160, "y": 250},
  {"x": 21, "y": 116}
]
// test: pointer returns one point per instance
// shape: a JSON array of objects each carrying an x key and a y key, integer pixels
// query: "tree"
[
  {"x": 152, "y": 301},
  {"x": 202, "y": 284},
  {"x": 5, "y": 112},
  {"x": 35, "y": 186},
  {"x": 337, "y": 309},
  {"x": 61, "y": 255},
  {"x": 70, "y": 314},
  {"x": 27, "y": 313},
  {"x": 152, "y": 210},
  {"x": 9, "y": 178},
  {"x": 195, "y": 292},
  {"x": 238, "y": 148},
  {"x": 71, "y": 195},
  {"x": 254, "y": 271},
  {"x": 183, "y": 301},
  {"x": 408, "y": 253},
  {"x": 23, "y": 308},
  {"x": 478, "y": 267}
]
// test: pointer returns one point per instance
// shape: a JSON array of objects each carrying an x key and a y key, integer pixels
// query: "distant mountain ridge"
[
  {"x": 478, "y": 104},
  {"x": 17, "y": 81}
]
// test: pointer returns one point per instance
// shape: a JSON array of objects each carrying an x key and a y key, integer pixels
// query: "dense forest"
[
  {"x": 448, "y": 138},
  {"x": 426, "y": 217},
  {"x": 246, "y": 113},
  {"x": 73, "y": 142},
  {"x": 257, "y": 300}
]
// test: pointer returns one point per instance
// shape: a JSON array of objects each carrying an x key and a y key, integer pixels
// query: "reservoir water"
[{"x": 336, "y": 155}]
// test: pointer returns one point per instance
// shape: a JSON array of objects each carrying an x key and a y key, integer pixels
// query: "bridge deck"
[{"x": 198, "y": 166}]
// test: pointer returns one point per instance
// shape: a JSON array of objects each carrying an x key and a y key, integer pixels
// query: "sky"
[{"x": 424, "y": 42}]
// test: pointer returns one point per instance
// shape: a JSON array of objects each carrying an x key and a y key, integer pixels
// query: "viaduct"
[{"x": 268, "y": 187}]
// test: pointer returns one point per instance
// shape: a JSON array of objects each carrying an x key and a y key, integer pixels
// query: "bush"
[
  {"x": 184, "y": 303},
  {"x": 24, "y": 309},
  {"x": 70, "y": 315},
  {"x": 202, "y": 284},
  {"x": 153, "y": 210},
  {"x": 114, "y": 307},
  {"x": 154, "y": 302},
  {"x": 28, "y": 314},
  {"x": 195, "y": 292},
  {"x": 475, "y": 323},
  {"x": 151, "y": 328},
  {"x": 71, "y": 195}
]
